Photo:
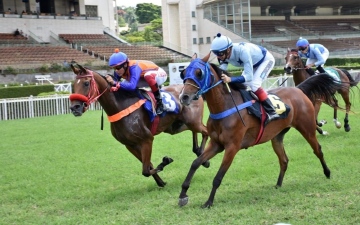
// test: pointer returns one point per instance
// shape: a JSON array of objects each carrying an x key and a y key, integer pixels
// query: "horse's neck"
[
  {"x": 300, "y": 75},
  {"x": 108, "y": 100},
  {"x": 219, "y": 99}
]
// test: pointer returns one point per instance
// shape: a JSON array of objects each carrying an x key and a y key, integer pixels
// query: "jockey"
[
  {"x": 132, "y": 70},
  {"x": 256, "y": 61},
  {"x": 316, "y": 55}
]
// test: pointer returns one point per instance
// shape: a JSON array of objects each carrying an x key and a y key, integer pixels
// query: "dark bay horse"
[
  {"x": 230, "y": 134},
  {"x": 135, "y": 129},
  {"x": 295, "y": 66}
]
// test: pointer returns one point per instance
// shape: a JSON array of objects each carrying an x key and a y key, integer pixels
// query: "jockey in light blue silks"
[{"x": 256, "y": 61}]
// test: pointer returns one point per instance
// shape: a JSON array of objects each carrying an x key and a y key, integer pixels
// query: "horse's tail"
[
  {"x": 352, "y": 81},
  {"x": 321, "y": 86}
]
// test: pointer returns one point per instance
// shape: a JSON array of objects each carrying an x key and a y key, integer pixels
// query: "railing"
[{"x": 30, "y": 107}]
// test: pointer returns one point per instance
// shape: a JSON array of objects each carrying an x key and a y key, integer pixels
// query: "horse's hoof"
[
  {"x": 347, "y": 128},
  {"x": 337, "y": 124},
  {"x": 206, "y": 164},
  {"x": 167, "y": 160},
  {"x": 322, "y": 122},
  {"x": 325, "y": 133},
  {"x": 183, "y": 201}
]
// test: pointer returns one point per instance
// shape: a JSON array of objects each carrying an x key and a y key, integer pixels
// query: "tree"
[
  {"x": 146, "y": 12},
  {"x": 130, "y": 16}
]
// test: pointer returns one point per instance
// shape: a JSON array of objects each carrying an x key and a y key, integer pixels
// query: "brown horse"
[
  {"x": 230, "y": 134},
  {"x": 134, "y": 129},
  {"x": 295, "y": 66}
]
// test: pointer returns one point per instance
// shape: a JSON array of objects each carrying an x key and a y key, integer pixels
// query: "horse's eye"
[
  {"x": 182, "y": 74},
  {"x": 86, "y": 83},
  {"x": 199, "y": 74}
]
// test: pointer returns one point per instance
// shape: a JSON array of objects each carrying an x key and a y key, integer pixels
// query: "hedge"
[{"x": 24, "y": 91}]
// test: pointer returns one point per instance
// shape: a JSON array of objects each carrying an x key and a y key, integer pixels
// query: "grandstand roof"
[{"x": 305, "y": 3}]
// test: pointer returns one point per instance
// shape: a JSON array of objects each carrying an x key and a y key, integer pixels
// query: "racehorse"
[
  {"x": 130, "y": 122},
  {"x": 228, "y": 132},
  {"x": 295, "y": 65}
]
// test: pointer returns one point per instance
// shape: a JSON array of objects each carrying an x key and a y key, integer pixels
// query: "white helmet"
[{"x": 220, "y": 43}]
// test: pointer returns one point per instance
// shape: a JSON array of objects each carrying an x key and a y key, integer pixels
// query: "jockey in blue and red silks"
[
  {"x": 256, "y": 61},
  {"x": 132, "y": 70}
]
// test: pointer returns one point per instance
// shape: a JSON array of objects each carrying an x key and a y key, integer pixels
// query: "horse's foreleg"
[
  {"x": 226, "y": 162},
  {"x": 144, "y": 157},
  {"x": 211, "y": 150},
  {"x": 278, "y": 146},
  {"x": 198, "y": 150}
]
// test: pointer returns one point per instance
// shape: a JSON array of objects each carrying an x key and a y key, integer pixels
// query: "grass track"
[{"x": 65, "y": 170}]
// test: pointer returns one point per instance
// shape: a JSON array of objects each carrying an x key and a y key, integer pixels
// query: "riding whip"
[{"x": 242, "y": 120}]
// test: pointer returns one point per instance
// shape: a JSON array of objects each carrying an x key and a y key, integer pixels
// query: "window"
[
  {"x": 208, "y": 40},
  {"x": 194, "y": 41},
  {"x": 201, "y": 41},
  {"x": 193, "y": 27},
  {"x": 192, "y": 13}
]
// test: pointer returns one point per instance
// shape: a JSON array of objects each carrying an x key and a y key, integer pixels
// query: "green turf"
[{"x": 65, "y": 170}]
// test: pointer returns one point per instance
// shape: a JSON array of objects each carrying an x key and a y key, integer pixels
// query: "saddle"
[{"x": 256, "y": 108}]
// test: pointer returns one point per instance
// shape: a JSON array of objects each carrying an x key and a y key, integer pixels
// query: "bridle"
[
  {"x": 93, "y": 94},
  {"x": 298, "y": 67},
  {"x": 206, "y": 83}
]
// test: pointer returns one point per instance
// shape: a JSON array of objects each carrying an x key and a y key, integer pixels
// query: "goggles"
[
  {"x": 302, "y": 48},
  {"x": 119, "y": 67},
  {"x": 220, "y": 53}
]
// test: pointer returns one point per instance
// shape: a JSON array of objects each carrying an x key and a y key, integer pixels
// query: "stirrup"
[{"x": 159, "y": 109}]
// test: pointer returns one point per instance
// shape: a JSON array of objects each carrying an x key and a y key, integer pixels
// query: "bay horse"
[
  {"x": 135, "y": 129},
  {"x": 230, "y": 134},
  {"x": 295, "y": 66}
]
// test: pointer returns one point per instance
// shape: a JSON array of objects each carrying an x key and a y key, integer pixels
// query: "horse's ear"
[
  {"x": 194, "y": 56},
  {"x": 288, "y": 49},
  {"x": 206, "y": 58},
  {"x": 75, "y": 70},
  {"x": 82, "y": 68}
]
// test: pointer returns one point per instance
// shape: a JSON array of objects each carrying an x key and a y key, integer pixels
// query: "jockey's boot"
[
  {"x": 159, "y": 103},
  {"x": 310, "y": 71},
  {"x": 320, "y": 69},
  {"x": 272, "y": 115}
]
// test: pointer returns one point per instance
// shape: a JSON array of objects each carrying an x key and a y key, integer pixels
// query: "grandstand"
[{"x": 87, "y": 37}]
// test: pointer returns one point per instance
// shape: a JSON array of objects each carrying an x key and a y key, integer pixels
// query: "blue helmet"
[
  {"x": 220, "y": 43},
  {"x": 302, "y": 43},
  {"x": 118, "y": 58}
]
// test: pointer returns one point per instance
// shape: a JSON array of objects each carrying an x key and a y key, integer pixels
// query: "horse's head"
[
  {"x": 197, "y": 79},
  {"x": 293, "y": 61},
  {"x": 86, "y": 90}
]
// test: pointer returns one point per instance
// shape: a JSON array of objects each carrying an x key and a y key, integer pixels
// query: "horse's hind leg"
[
  {"x": 345, "y": 96},
  {"x": 310, "y": 136},
  {"x": 317, "y": 106},
  {"x": 278, "y": 146},
  {"x": 198, "y": 150}
]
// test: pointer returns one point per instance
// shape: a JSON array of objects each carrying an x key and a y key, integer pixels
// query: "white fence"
[{"x": 30, "y": 107}]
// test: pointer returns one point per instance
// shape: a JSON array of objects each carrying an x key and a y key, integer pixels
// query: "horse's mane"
[
  {"x": 121, "y": 93},
  {"x": 234, "y": 85}
]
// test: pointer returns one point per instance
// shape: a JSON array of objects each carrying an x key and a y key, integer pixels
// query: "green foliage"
[
  {"x": 130, "y": 16},
  {"x": 25, "y": 91},
  {"x": 55, "y": 67},
  {"x": 10, "y": 70},
  {"x": 44, "y": 69},
  {"x": 121, "y": 22},
  {"x": 146, "y": 12}
]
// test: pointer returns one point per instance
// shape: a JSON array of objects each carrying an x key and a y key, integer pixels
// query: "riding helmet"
[
  {"x": 221, "y": 43},
  {"x": 302, "y": 43},
  {"x": 118, "y": 58}
]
